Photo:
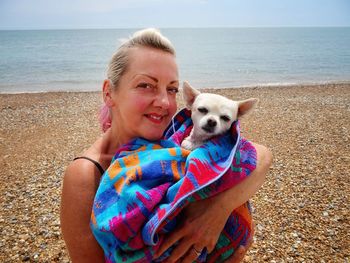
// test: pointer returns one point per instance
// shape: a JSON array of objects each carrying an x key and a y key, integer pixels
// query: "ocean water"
[{"x": 75, "y": 60}]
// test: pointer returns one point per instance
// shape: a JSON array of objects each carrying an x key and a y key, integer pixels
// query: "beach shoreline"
[
  {"x": 301, "y": 212},
  {"x": 248, "y": 86}
]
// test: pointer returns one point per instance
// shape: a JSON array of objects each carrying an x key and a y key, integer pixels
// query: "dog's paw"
[{"x": 187, "y": 144}]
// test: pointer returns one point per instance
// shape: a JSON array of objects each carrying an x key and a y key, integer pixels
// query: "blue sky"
[{"x": 57, "y": 14}]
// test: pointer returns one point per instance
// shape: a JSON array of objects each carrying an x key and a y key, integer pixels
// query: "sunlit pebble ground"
[{"x": 301, "y": 212}]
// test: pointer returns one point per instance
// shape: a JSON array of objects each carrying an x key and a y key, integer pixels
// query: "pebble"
[{"x": 301, "y": 212}]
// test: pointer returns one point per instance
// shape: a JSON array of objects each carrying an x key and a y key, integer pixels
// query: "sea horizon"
[
  {"x": 44, "y": 60},
  {"x": 187, "y": 27}
]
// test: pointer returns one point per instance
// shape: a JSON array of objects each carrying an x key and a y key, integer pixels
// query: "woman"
[{"x": 140, "y": 98}]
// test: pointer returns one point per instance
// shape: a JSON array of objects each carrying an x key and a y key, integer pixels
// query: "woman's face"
[{"x": 145, "y": 99}]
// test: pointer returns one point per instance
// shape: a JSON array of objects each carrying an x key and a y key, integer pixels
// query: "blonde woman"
[{"x": 140, "y": 101}]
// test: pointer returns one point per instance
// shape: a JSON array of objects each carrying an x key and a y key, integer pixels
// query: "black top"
[{"x": 99, "y": 167}]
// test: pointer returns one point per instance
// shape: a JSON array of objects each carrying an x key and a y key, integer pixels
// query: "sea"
[{"x": 76, "y": 60}]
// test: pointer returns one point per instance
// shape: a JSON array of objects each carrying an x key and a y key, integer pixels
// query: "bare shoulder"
[
  {"x": 80, "y": 184},
  {"x": 82, "y": 173}
]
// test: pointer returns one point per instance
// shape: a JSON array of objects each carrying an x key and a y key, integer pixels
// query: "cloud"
[
  {"x": 170, "y": 13},
  {"x": 38, "y": 7}
]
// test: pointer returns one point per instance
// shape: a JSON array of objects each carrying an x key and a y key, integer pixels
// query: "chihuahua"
[{"x": 212, "y": 114}]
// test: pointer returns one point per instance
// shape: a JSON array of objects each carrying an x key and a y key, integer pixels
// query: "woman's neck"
[{"x": 110, "y": 142}]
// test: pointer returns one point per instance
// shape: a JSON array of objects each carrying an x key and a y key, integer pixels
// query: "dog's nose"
[{"x": 211, "y": 123}]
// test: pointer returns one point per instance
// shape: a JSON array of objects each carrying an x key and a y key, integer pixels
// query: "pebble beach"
[{"x": 301, "y": 212}]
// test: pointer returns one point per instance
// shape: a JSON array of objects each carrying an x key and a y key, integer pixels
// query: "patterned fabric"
[{"x": 148, "y": 184}]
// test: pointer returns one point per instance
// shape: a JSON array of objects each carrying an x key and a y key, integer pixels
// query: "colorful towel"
[{"x": 148, "y": 183}]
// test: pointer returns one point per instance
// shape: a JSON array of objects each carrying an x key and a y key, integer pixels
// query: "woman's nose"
[{"x": 162, "y": 100}]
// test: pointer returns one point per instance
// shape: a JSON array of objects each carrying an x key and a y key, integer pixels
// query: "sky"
[{"x": 70, "y": 14}]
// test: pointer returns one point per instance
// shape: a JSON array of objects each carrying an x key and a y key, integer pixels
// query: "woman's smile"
[{"x": 155, "y": 118}]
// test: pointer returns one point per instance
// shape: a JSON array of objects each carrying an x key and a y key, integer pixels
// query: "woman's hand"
[
  {"x": 189, "y": 231},
  {"x": 200, "y": 227},
  {"x": 202, "y": 222}
]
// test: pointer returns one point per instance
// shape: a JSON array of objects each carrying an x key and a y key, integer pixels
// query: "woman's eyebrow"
[
  {"x": 148, "y": 76},
  {"x": 154, "y": 79}
]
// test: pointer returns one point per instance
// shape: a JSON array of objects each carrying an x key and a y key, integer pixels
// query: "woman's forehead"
[{"x": 144, "y": 58}]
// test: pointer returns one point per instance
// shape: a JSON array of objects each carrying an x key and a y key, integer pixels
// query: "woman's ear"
[{"x": 107, "y": 93}]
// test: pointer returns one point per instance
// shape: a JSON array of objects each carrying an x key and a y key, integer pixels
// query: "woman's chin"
[{"x": 153, "y": 137}]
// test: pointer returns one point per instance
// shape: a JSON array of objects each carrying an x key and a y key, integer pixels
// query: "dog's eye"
[
  {"x": 203, "y": 110},
  {"x": 225, "y": 118}
]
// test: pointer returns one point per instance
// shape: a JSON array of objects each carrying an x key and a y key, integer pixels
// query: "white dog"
[{"x": 212, "y": 114}]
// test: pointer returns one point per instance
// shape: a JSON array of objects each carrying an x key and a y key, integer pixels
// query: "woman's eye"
[
  {"x": 145, "y": 86},
  {"x": 225, "y": 118},
  {"x": 173, "y": 90},
  {"x": 203, "y": 110}
]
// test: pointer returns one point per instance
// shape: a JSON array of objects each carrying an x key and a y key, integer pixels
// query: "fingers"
[
  {"x": 191, "y": 256},
  {"x": 184, "y": 248},
  {"x": 168, "y": 242},
  {"x": 181, "y": 250}
]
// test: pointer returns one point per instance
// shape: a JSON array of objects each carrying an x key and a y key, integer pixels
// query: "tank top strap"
[{"x": 99, "y": 167}]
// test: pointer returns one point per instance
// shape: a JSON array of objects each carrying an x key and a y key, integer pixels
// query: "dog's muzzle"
[{"x": 209, "y": 127}]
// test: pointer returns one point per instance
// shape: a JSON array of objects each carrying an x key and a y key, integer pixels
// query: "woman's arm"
[
  {"x": 79, "y": 187},
  {"x": 213, "y": 213},
  {"x": 241, "y": 193}
]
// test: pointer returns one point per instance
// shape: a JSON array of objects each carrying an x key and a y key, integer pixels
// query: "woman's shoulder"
[
  {"x": 83, "y": 169},
  {"x": 81, "y": 174},
  {"x": 80, "y": 183}
]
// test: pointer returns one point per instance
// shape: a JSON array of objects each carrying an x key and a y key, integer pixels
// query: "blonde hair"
[
  {"x": 149, "y": 37},
  {"x": 119, "y": 62}
]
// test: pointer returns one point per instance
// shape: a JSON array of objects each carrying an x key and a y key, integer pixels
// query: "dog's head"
[{"x": 213, "y": 114}]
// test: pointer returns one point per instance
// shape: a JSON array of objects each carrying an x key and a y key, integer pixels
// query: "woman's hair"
[{"x": 119, "y": 62}]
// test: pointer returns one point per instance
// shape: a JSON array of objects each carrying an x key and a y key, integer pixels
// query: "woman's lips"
[{"x": 155, "y": 118}]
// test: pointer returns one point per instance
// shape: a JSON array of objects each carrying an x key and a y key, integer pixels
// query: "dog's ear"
[
  {"x": 245, "y": 106},
  {"x": 189, "y": 94}
]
